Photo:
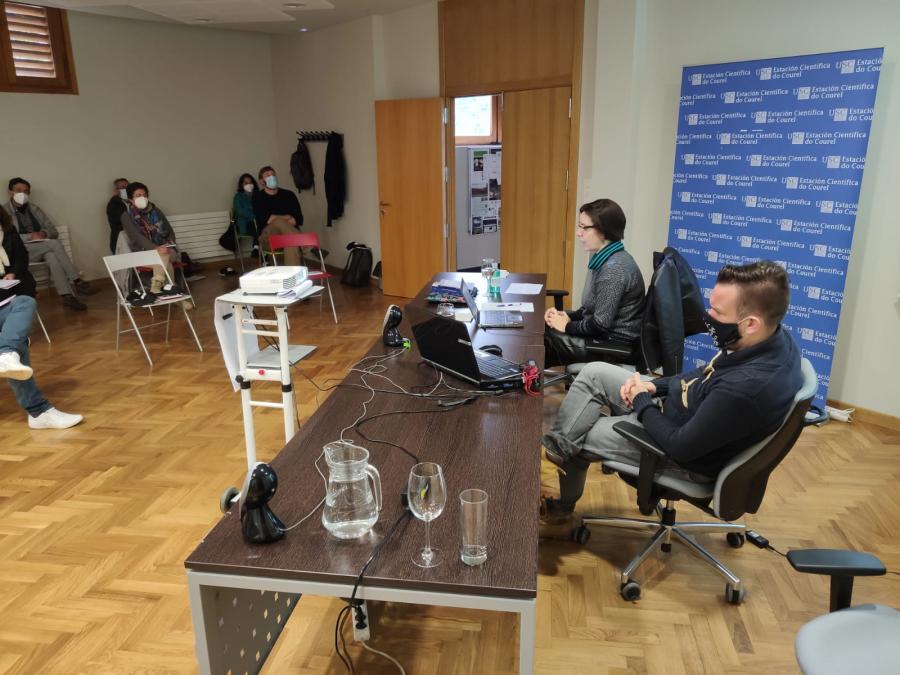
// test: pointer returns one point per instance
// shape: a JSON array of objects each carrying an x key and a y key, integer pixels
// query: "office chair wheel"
[
  {"x": 581, "y": 534},
  {"x": 630, "y": 591},
  {"x": 732, "y": 596},
  {"x": 227, "y": 496},
  {"x": 735, "y": 539}
]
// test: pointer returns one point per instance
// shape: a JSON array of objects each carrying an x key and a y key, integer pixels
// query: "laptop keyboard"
[
  {"x": 495, "y": 317},
  {"x": 494, "y": 367}
]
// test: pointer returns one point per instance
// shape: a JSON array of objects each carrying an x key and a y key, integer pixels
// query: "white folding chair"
[
  {"x": 126, "y": 261},
  {"x": 37, "y": 315}
]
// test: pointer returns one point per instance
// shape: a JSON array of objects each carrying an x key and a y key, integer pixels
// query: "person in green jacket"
[{"x": 242, "y": 208}]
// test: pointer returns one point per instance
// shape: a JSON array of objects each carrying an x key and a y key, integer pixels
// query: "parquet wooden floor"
[{"x": 95, "y": 523}]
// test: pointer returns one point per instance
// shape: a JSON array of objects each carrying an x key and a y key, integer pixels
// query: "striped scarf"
[
  {"x": 604, "y": 254},
  {"x": 148, "y": 222}
]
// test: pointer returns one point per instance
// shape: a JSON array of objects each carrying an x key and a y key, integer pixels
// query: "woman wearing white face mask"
[
  {"x": 242, "y": 207},
  {"x": 147, "y": 229}
]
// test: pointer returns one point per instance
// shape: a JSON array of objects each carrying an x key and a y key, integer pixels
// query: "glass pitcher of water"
[{"x": 353, "y": 500}]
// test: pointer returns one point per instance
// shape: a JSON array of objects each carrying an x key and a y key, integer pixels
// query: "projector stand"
[{"x": 271, "y": 364}]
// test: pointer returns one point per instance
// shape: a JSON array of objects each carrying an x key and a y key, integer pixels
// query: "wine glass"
[
  {"x": 488, "y": 265},
  {"x": 427, "y": 497}
]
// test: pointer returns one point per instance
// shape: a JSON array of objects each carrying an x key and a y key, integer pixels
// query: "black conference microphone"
[{"x": 390, "y": 329}]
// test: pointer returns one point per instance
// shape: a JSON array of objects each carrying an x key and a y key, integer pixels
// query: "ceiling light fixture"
[
  {"x": 295, "y": 5},
  {"x": 201, "y": 20},
  {"x": 303, "y": 30}
]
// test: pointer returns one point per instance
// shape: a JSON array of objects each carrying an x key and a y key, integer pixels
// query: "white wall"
[
  {"x": 648, "y": 42},
  {"x": 324, "y": 80},
  {"x": 329, "y": 80},
  {"x": 410, "y": 53},
  {"x": 184, "y": 110}
]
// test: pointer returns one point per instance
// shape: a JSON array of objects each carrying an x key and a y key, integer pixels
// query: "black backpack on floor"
[{"x": 359, "y": 265}]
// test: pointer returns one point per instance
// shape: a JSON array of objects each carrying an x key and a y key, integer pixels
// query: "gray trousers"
[
  {"x": 52, "y": 252},
  {"x": 584, "y": 433}
]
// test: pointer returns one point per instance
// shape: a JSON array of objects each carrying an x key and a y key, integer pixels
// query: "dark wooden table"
[{"x": 240, "y": 593}]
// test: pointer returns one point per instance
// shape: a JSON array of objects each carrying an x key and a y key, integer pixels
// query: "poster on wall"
[
  {"x": 484, "y": 187},
  {"x": 769, "y": 161}
]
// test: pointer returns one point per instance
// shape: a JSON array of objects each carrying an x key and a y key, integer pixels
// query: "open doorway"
[{"x": 477, "y": 212}]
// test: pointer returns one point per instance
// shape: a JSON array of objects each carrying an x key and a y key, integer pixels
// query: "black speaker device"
[
  {"x": 390, "y": 333},
  {"x": 259, "y": 524}
]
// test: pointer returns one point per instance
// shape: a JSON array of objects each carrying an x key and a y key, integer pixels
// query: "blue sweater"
[{"x": 706, "y": 420}]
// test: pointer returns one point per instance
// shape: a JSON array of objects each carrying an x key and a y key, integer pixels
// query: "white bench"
[{"x": 198, "y": 234}]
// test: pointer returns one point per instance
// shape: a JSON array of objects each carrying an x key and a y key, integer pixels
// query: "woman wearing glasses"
[{"x": 613, "y": 297}]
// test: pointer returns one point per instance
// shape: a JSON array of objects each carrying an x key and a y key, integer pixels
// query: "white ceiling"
[{"x": 267, "y": 16}]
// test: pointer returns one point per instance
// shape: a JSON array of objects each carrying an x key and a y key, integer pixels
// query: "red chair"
[{"x": 278, "y": 242}]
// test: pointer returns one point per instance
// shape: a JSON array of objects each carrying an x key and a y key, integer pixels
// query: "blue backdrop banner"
[{"x": 769, "y": 161}]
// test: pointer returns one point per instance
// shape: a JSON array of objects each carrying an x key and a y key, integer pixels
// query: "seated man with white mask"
[
  {"x": 701, "y": 419},
  {"x": 277, "y": 211},
  {"x": 42, "y": 238},
  {"x": 148, "y": 229}
]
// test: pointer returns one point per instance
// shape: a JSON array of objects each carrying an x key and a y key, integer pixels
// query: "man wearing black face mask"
[{"x": 701, "y": 419}]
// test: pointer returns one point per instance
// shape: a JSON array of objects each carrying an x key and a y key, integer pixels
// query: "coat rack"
[{"x": 314, "y": 135}]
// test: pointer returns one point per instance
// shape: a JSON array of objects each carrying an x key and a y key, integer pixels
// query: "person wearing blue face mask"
[
  {"x": 701, "y": 419},
  {"x": 277, "y": 211}
]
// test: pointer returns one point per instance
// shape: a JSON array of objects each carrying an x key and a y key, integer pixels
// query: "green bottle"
[{"x": 495, "y": 283}]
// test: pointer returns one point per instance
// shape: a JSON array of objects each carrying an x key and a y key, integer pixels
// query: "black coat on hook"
[{"x": 335, "y": 177}]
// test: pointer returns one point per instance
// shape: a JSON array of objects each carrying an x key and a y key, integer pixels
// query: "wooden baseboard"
[{"x": 868, "y": 416}]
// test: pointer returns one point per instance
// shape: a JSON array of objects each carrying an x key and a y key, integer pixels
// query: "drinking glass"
[
  {"x": 473, "y": 515},
  {"x": 488, "y": 265},
  {"x": 446, "y": 309},
  {"x": 427, "y": 498}
]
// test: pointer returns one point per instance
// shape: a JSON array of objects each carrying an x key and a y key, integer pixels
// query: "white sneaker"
[
  {"x": 11, "y": 366},
  {"x": 54, "y": 419}
]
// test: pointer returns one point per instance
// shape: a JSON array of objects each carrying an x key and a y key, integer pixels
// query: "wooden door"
[
  {"x": 409, "y": 140},
  {"x": 535, "y": 235}
]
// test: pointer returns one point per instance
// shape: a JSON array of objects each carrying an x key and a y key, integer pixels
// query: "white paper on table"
[
  {"x": 509, "y": 306},
  {"x": 524, "y": 289},
  {"x": 8, "y": 283}
]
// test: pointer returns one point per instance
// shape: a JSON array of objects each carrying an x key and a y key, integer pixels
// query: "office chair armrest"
[
  {"x": 835, "y": 562},
  {"x": 557, "y": 296},
  {"x": 651, "y": 453},
  {"x": 615, "y": 349},
  {"x": 841, "y": 566},
  {"x": 639, "y": 436}
]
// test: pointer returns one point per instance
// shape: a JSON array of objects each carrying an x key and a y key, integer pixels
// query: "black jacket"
[
  {"x": 674, "y": 310},
  {"x": 115, "y": 207},
  {"x": 18, "y": 265},
  {"x": 335, "y": 177},
  {"x": 707, "y": 419}
]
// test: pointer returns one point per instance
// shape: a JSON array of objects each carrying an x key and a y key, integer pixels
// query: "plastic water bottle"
[{"x": 495, "y": 283}]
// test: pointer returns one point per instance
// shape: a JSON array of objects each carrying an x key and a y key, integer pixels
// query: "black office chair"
[
  {"x": 738, "y": 489},
  {"x": 860, "y": 639},
  {"x": 673, "y": 310}
]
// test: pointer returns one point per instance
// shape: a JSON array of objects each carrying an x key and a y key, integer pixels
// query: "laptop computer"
[
  {"x": 444, "y": 343},
  {"x": 492, "y": 318}
]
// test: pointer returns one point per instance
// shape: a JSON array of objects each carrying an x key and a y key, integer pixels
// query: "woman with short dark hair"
[
  {"x": 613, "y": 298},
  {"x": 242, "y": 207}
]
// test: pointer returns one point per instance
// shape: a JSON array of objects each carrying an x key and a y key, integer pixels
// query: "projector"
[{"x": 273, "y": 279}]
